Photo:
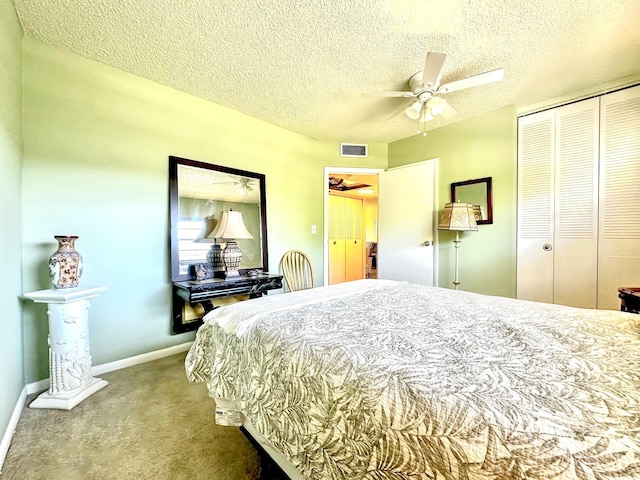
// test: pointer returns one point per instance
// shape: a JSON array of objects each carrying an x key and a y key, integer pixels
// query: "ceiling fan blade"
[
  {"x": 433, "y": 68},
  {"x": 476, "y": 80},
  {"x": 389, "y": 94},
  {"x": 395, "y": 114}
]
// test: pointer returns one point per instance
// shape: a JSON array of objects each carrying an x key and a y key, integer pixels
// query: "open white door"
[{"x": 406, "y": 221}]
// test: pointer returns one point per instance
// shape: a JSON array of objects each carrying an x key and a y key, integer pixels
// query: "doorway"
[
  {"x": 406, "y": 231},
  {"x": 351, "y": 224}
]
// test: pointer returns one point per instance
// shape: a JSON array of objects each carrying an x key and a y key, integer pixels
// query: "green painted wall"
[
  {"x": 483, "y": 146},
  {"x": 96, "y": 147},
  {"x": 11, "y": 347}
]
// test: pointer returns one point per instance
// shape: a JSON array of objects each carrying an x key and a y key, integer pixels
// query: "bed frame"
[{"x": 270, "y": 469}]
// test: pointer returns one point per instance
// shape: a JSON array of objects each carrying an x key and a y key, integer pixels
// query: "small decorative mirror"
[
  {"x": 478, "y": 193},
  {"x": 199, "y": 193}
]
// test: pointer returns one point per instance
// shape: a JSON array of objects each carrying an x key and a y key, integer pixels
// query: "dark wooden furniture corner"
[
  {"x": 629, "y": 299},
  {"x": 204, "y": 292}
]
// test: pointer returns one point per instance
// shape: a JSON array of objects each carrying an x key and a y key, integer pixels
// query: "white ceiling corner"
[{"x": 304, "y": 65}]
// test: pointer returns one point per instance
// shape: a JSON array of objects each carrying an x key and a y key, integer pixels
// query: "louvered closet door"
[
  {"x": 336, "y": 240},
  {"x": 619, "y": 250},
  {"x": 575, "y": 259},
  {"x": 354, "y": 246},
  {"x": 536, "y": 152},
  {"x": 557, "y": 205}
]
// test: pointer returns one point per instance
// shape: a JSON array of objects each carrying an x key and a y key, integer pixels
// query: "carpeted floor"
[{"x": 148, "y": 423}]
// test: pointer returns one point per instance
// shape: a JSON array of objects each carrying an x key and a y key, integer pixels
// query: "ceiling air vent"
[{"x": 353, "y": 150}]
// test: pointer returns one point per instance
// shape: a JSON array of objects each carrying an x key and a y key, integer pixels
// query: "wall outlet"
[{"x": 313, "y": 229}]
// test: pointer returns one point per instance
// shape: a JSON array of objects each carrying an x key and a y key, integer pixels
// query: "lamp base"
[
  {"x": 214, "y": 257},
  {"x": 456, "y": 243},
  {"x": 232, "y": 256}
]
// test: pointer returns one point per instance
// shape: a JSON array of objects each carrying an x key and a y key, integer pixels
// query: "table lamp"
[{"x": 231, "y": 228}]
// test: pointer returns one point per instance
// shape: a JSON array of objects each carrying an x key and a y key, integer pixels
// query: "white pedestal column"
[{"x": 69, "y": 353}]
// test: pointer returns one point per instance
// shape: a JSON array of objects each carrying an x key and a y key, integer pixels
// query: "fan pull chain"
[{"x": 422, "y": 120}]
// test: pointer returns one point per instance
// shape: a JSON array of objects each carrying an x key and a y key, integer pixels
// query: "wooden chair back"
[{"x": 297, "y": 270}]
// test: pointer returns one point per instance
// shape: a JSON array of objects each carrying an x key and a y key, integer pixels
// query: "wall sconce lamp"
[{"x": 458, "y": 217}]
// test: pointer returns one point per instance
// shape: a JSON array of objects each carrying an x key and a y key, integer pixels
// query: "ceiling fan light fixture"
[
  {"x": 426, "y": 116},
  {"x": 436, "y": 105},
  {"x": 426, "y": 87},
  {"x": 413, "y": 111}
]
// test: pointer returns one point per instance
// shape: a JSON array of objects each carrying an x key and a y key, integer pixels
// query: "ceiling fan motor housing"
[{"x": 418, "y": 88}]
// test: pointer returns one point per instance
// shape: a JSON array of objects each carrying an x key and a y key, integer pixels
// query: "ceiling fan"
[
  {"x": 426, "y": 89},
  {"x": 243, "y": 185}
]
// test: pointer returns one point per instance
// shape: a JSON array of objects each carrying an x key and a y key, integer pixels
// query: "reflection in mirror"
[
  {"x": 200, "y": 193},
  {"x": 478, "y": 193}
]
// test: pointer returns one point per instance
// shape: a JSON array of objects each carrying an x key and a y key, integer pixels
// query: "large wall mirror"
[
  {"x": 199, "y": 192},
  {"x": 478, "y": 193}
]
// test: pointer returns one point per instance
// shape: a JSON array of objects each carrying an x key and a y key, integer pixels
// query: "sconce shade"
[
  {"x": 231, "y": 226},
  {"x": 458, "y": 216}
]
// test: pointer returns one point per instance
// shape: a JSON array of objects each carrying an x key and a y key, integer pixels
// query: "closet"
[
  {"x": 579, "y": 201},
  {"x": 346, "y": 241}
]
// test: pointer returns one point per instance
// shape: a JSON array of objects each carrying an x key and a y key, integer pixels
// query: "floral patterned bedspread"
[{"x": 389, "y": 380}]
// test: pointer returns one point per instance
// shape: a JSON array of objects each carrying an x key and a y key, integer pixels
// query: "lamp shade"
[
  {"x": 458, "y": 216},
  {"x": 436, "y": 105},
  {"x": 425, "y": 116},
  {"x": 478, "y": 211},
  {"x": 413, "y": 111},
  {"x": 208, "y": 225},
  {"x": 231, "y": 226}
]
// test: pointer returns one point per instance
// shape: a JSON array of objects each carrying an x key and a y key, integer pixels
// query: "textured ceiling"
[
  {"x": 304, "y": 65},
  {"x": 196, "y": 182}
]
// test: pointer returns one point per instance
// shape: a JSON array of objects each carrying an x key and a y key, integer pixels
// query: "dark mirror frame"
[
  {"x": 489, "y": 202},
  {"x": 176, "y": 276}
]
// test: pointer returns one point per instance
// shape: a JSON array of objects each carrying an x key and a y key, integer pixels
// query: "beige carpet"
[{"x": 148, "y": 423}]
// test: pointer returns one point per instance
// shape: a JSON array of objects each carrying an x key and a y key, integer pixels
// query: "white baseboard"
[
  {"x": 138, "y": 359},
  {"x": 11, "y": 428},
  {"x": 42, "y": 385},
  {"x": 39, "y": 386}
]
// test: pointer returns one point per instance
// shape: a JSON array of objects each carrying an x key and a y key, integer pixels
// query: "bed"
[{"x": 378, "y": 379}]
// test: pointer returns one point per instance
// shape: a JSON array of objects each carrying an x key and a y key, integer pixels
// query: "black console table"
[{"x": 202, "y": 293}]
